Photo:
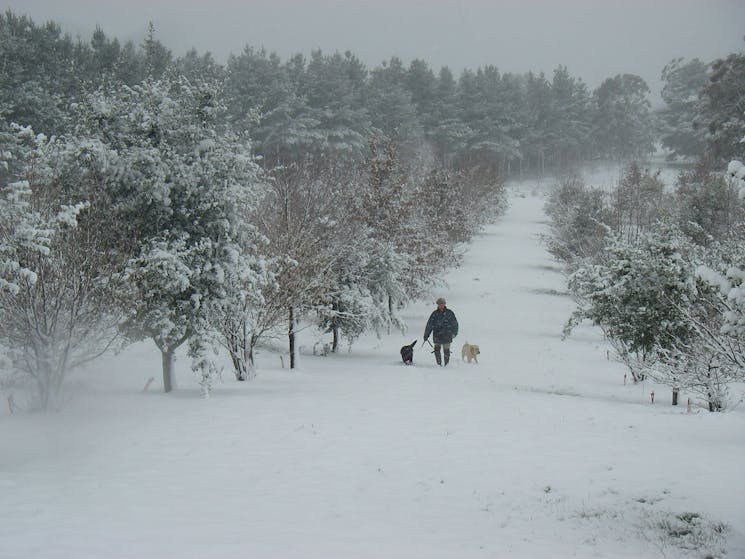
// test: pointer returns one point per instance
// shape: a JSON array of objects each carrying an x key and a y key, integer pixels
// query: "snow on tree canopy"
[
  {"x": 737, "y": 170},
  {"x": 713, "y": 278}
]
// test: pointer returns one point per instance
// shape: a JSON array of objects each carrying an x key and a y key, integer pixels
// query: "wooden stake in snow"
[
  {"x": 651, "y": 395},
  {"x": 147, "y": 384},
  {"x": 688, "y": 407}
]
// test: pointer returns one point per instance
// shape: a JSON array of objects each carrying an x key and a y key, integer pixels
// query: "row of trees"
[
  {"x": 704, "y": 112},
  {"x": 141, "y": 210},
  {"x": 330, "y": 104},
  {"x": 661, "y": 272}
]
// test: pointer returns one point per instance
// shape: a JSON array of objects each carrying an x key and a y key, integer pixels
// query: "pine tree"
[
  {"x": 391, "y": 108},
  {"x": 638, "y": 201},
  {"x": 708, "y": 206},
  {"x": 723, "y": 101},
  {"x": 622, "y": 125},
  {"x": 683, "y": 133}
]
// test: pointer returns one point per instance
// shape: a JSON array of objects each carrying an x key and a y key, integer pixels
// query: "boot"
[
  {"x": 437, "y": 356},
  {"x": 447, "y": 357}
]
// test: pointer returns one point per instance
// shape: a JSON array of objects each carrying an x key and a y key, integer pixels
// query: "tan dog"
[{"x": 469, "y": 352}]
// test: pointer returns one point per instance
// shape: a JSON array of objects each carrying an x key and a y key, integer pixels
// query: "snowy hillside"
[{"x": 540, "y": 450}]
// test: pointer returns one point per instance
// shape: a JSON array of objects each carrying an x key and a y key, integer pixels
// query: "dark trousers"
[{"x": 446, "y": 353}]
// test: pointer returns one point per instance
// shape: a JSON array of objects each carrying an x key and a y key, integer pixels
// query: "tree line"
[
  {"x": 662, "y": 269},
  {"x": 137, "y": 205},
  {"x": 330, "y": 104}
]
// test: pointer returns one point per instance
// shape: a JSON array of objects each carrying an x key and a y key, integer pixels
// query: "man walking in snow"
[{"x": 444, "y": 327}]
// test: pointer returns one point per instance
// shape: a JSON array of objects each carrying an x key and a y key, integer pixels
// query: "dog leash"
[{"x": 430, "y": 345}]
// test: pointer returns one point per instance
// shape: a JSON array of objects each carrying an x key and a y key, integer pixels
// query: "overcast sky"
[{"x": 595, "y": 39}]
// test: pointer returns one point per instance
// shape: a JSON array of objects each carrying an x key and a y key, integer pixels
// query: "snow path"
[{"x": 537, "y": 451}]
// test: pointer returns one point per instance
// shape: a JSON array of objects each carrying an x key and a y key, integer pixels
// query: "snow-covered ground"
[{"x": 540, "y": 450}]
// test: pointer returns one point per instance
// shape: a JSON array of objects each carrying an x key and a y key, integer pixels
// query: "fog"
[{"x": 595, "y": 39}]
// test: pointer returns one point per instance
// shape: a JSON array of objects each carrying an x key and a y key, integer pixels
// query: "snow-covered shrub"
[
  {"x": 636, "y": 293},
  {"x": 638, "y": 202},
  {"x": 579, "y": 221},
  {"x": 707, "y": 205},
  {"x": 712, "y": 361},
  {"x": 59, "y": 260},
  {"x": 243, "y": 316},
  {"x": 736, "y": 170}
]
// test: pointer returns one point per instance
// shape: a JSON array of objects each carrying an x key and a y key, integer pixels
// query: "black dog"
[{"x": 407, "y": 353}]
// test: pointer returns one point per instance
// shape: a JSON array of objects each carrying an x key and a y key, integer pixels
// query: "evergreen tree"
[
  {"x": 183, "y": 186},
  {"x": 723, "y": 101},
  {"x": 637, "y": 293},
  {"x": 682, "y": 130},
  {"x": 571, "y": 117},
  {"x": 334, "y": 86},
  {"x": 622, "y": 125},
  {"x": 708, "y": 206},
  {"x": 256, "y": 84},
  {"x": 638, "y": 201},
  {"x": 38, "y": 74},
  {"x": 157, "y": 57},
  {"x": 199, "y": 68},
  {"x": 540, "y": 140},
  {"x": 392, "y": 111},
  {"x": 580, "y": 223},
  {"x": 492, "y": 107},
  {"x": 421, "y": 83},
  {"x": 448, "y": 134}
]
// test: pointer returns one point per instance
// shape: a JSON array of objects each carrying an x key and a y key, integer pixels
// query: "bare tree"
[{"x": 297, "y": 217}]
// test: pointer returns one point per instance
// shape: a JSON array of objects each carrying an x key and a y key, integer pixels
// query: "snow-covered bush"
[
  {"x": 579, "y": 221},
  {"x": 242, "y": 317},
  {"x": 59, "y": 261},
  {"x": 637, "y": 202},
  {"x": 712, "y": 361},
  {"x": 637, "y": 294},
  {"x": 707, "y": 205},
  {"x": 736, "y": 170}
]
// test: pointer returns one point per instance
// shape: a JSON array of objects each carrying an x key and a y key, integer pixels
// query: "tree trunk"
[
  {"x": 44, "y": 389},
  {"x": 253, "y": 340},
  {"x": 167, "y": 360},
  {"x": 236, "y": 357},
  {"x": 50, "y": 372},
  {"x": 390, "y": 312},
  {"x": 291, "y": 336},
  {"x": 167, "y": 355},
  {"x": 239, "y": 366},
  {"x": 335, "y": 343},
  {"x": 713, "y": 396},
  {"x": 675, "y": 396}
]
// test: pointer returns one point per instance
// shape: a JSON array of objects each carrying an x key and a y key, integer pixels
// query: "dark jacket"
[{"x": 443, "y": 324}]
